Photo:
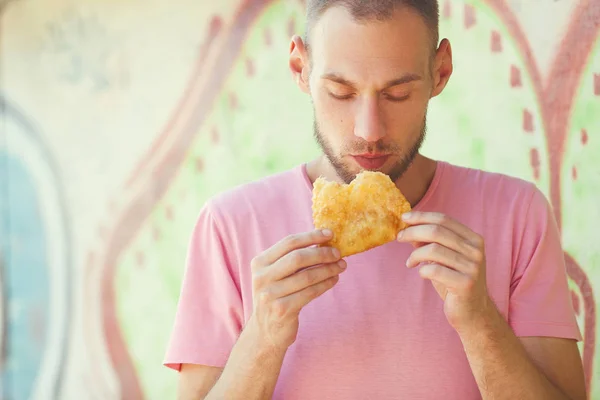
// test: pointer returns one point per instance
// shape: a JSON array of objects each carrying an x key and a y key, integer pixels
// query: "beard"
[{"x": 346, "y": 173}]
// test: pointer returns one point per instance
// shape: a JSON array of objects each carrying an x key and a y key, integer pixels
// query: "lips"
[{"x": 371, "y": 161}]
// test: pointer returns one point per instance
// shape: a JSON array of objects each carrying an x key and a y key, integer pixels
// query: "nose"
[{"x": 368, "y": 123}]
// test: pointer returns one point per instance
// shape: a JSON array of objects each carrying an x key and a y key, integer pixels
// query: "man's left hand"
[{"x": 452, "y": 256}]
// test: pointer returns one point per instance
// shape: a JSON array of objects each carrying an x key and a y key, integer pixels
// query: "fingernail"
[
  {"x": 400, "y": 235},
  {"x": 342, "y": 264},
  {"x": 327, "y": 233},
  {"x": 407, "y": 216},
  {"x": 335, "y": 252}
]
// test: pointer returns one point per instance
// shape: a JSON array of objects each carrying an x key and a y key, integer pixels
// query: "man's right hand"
[{"x": 285, "y": 278}]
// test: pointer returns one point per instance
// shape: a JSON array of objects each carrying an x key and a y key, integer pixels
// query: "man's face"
[{"x": 370, "y": 84}]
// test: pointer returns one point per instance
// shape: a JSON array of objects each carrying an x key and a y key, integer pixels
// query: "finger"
[
  {"x": 290, "y": 243},
  {"x": 307, "y": 278},
  {"x": 420, "y": 218},
  {"x": 436, "y": 253},
  {"x": 452, "y": 280},
  {"x": 298, "y": 300},
  {"x": 302, "y": 258},
  {"x": 430, "y": 233}
]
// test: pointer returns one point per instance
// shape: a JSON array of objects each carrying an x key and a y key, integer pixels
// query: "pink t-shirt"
[{"x": 381, "y": 332}]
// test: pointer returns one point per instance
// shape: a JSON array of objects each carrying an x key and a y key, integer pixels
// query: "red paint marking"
[
  {"x": 564, "y": 79},
  {"x": 469, "y": 16},
  {"x": 515, "y": 77},
  {"x": 597, "y": 84},
  {"x": 233, "y": 101},
  {"x": 250, "y": 71},
  {"x": 534, "y": 159},
  {"x": 575, "y": 300},
  {"x": 447, "y": 12},
  {"x": 291, "y": 28},
  {"x": 169, "y": 212},
  {"x": 199, "y": 165},
  {"x": 584, "y": 137},
  {"x": 589, "y": 315},
  {"x": 268, "y": 37},
  {"x": 574, "y": 173},
  {"x": 496, "y": 42},
  {"x": 214, "y": 135},
  {"x": 527, "y": 121},
  {"x": 156, "y": 183},
  {"x": 216, "y": 25}
]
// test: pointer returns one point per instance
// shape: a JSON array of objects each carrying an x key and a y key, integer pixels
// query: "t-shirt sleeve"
[
  {"x": 540, "y": 300},
  {"x": 209, "y": 313}
]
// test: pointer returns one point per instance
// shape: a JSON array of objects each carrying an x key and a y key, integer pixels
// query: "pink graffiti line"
[
  {"x": 557, "y": 97},
  {"x": 153, "y": 175}
]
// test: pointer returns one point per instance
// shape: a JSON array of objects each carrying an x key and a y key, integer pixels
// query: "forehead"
[{"x": 400, "y": 44}]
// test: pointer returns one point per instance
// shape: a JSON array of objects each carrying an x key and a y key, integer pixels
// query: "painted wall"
[{"x": 119, "y": 118}]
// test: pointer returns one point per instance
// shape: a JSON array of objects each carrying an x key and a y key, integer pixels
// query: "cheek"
[
  {"x": 333, "y": 115},
  {"x": 409, "y": 114}
]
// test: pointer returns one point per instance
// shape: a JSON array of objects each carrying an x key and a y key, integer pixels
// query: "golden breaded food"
[{"x": 362, "y": 215}]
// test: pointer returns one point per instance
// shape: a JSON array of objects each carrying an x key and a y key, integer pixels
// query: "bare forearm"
[
  {"x": 501, "y": 366},
  {"x": 251, "y": 372}
]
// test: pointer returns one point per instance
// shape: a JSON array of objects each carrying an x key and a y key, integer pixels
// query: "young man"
[{"x": 471, "y": 301}]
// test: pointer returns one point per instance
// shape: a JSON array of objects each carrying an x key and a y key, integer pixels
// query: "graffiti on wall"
[
  {"x": 541, "y": 130},
  {"x": 35, "y": 263}
]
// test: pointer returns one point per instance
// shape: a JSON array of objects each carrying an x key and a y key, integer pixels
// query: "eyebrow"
[{"x": 332, "y": 76}]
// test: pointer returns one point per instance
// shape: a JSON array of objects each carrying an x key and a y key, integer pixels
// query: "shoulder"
[
  {"x": 259, "y": 197},
  {"x": 491, "y": 186}
]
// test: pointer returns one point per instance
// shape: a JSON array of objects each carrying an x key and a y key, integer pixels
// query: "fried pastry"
[{"x": 362, "y": 215}]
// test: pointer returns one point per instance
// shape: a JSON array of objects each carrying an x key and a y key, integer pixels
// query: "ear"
[
  {"x": 442, "y": 67},
  {"x": 299, "y": 63}
]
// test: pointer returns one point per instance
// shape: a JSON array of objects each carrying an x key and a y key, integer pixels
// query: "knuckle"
[
  {"x": 331, "y": 283},
  {"x": 296, "y": 257},
  {"x": 310, "y": 277},
  {"x": 293, "y": 240},
  {"x": 279, "y": 309},
  {"x": 441, "y": 218},
  {"x": 257, "y": 278},
  {"x": 478, "y": 258},
  {"x": 328, "y": 253},
  {"x": 434, "y": 271},
  {"x": 435, "y": 248},
  {"x": 255, "y": 264},
  {"x": 435, "y": 230},
  {"x": 316, "y": 290},
  {"x": 478, "y": 241}
]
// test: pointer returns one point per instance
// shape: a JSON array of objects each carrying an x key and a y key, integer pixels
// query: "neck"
[{"x": 413, "y": 184}]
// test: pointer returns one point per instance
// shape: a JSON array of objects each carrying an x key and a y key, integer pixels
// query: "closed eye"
[
  {"x": 341, "y": 97},
  {"x": 397, "y": 99}
]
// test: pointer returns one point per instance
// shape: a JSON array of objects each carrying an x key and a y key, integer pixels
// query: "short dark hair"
[{"x": 380, "y": 10}]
